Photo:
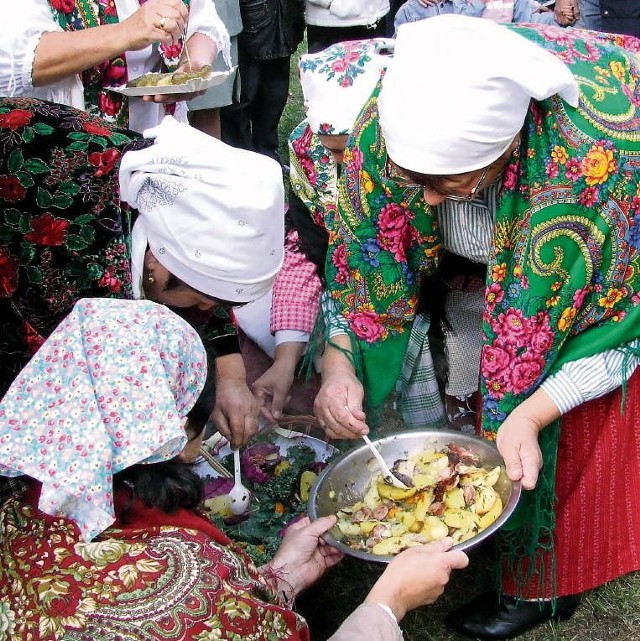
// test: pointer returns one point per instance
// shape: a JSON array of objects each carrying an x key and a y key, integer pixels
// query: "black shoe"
[{"x": 487, "y": 618}]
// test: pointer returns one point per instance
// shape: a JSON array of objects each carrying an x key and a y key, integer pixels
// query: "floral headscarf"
[{"x": 108, "y": 389}]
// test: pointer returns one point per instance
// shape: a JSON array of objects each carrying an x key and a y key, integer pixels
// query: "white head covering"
[
  {"x": 213, "y": 215},
  {"x": 337, "y": 81},
  {"x": 459, "y": 90},
  {"x": 111, "y": 387}
]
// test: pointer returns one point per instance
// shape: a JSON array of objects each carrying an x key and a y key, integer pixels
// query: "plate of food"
[
  {"x": 456, "y": 486},
  {"x": 151, "y": 84},
  {"x": 279, "y": 467}
]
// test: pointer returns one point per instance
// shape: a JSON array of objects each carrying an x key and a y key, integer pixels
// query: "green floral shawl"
[{"x": 564, "y": 272}]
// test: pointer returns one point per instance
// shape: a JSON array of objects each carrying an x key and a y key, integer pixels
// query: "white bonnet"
[
  {"x": 212, "y": 215},
  {"x": 459, "y": 90}
]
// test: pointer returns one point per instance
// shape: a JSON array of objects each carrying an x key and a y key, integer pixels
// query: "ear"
[{"x": 150, "y": 260}]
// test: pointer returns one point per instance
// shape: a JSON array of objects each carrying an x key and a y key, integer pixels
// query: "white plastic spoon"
[
  {"x": 239, "y": 496},
  {"x": 388, "y": 475}
]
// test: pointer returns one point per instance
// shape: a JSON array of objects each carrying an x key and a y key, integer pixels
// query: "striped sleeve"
[{"x": 587, "y": 378}]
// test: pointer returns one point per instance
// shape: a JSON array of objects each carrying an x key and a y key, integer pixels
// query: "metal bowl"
[{"x": 347, "y": 478}]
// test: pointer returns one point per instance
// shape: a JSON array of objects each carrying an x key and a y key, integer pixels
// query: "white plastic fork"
[{"x": 388, "y": 475}]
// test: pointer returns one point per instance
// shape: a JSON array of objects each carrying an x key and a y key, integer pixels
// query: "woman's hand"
[
  {"x": 272, "y": 388},
  {"x": 417, "y": 576},
  {"x": 517, "y": 439},
  {"x": 303, "y": 557},
  {"x": 567, "y": 12},
  {"x": 338, "y": 405},
  {"x": 236, "y": 411},
  {"x": 161, "y": 21}
]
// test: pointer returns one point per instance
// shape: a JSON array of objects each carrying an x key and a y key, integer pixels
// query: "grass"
[{"x": 609, "y": 613}]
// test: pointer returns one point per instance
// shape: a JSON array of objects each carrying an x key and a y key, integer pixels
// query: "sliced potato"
[
  {"x": 348, "y": 528},
  {"x": 387, "y": 491},
  {"x": 389, "y": 547},
  {"x": 454, "y": 498},
  {"x": 461, "y": 519},
  {"x": 487, "y": 519},
  {"x": 485, "y": 499},
  {"x": 434, "y": 529},
  {"x": 307, "y": 479}
]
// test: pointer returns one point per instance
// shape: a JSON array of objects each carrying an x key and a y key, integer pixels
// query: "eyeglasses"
[{"x": 401, "y": 178}]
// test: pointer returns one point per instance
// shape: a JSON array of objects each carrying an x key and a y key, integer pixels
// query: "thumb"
[{"x": 322, "y": 525}]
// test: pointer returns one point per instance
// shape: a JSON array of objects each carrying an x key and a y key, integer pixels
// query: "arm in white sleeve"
[
  {"x": 369, "y": 622},
  {"x": 587, "y": 378},
  {"x": 291, "y": 336},
  {"x": 20, "y": 31},
  {"x": 204, "y": 19}
]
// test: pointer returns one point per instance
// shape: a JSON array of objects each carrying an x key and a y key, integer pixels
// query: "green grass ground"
[{"x": 610, "y": 613}]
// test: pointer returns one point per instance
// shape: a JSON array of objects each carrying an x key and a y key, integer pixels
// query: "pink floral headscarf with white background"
[{"x": 109, "y": 388}]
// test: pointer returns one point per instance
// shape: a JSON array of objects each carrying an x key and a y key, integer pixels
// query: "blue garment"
[{"x": 412, "y": 11}]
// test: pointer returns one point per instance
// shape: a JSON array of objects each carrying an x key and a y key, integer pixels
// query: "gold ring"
[{"x": 163, "y": 21}]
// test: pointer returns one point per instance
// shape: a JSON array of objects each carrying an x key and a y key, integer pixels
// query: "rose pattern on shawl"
[
  {"x": 367, "y": 325},
  {"x": 47, "y": 230},
  {"x": 395, "y": 231},
  {"x": 104, "y": 161},
  {"x": 114, "y": 72},
  {"x": 8, "y": 273},
  {"x": 11, "y": 189},
  {"x": 596, "y": 170},
  {"x": 15, "y": 119},
  {"x": 109, "y": 7},
  {"x": 64, "y": 6},
  {"x": 109, "y": 104},
  {"x": 344, "y": 61}
]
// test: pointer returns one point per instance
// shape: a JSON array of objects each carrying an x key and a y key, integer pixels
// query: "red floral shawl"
[{"x": 158, "y": 577}]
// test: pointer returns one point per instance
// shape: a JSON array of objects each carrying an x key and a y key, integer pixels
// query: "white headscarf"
[
  {"x": 212, "y": 215},
  {"x": 337, "y": 81},
  {"x": 459, "y": 90},
  {"x": 111, "y": 387}
]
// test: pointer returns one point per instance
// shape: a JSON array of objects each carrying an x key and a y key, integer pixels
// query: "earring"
[{"x": 151, "y": 279}]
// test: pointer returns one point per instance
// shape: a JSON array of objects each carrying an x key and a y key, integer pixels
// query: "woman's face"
[
  {"x": 182, "y": 296},
  {"x": 335, "y": 144}
]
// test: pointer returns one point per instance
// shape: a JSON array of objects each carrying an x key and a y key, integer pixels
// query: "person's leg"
[
  {"x": 235, "y": 119},
  {"x": 590, "y": 17},
  {"x": 271, "y": 96}
]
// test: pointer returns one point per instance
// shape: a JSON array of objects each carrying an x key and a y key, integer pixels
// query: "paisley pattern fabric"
[
  {"x": 76, "y": 15},
  {"x": 64, "y": 233},
  {"x": 577, "y": 173},
  {"x": 158, "y": 577}
]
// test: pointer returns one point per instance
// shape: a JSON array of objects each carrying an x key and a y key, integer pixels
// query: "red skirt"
[{"x": 597, "y": 534}]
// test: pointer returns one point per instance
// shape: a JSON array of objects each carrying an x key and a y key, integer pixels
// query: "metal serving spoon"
[
  {"x": 239, "y": 496},
  {"x": 388, "y": 475}
]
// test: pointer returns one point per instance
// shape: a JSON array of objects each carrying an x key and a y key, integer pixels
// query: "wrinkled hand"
[
  {"x": 417, "y": 576},
  {"x": 161, "y": 21},
  {"x": 517, "y": 441},
  {"x": 567, "y": 12},
  {"x": 303, "y": 557},
  {"x": 338, "y": 406},
  {"x": 272, "y": 388},
  {"x": 236, "y": 411}
]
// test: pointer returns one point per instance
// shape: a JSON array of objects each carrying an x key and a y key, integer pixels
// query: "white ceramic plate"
[
  {"x": 283, "y": 438},
  {"x": 197, "y": 84}
]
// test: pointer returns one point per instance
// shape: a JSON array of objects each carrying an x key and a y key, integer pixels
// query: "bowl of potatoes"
[{"x": 456, "y": 485}]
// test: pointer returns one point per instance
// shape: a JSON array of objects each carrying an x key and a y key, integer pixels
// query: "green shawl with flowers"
[{"x": 564, "y": 272}]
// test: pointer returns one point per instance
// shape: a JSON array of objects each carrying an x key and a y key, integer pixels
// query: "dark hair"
[
  {"x": 167, "y": 486},
  {"x": 173, "y": 282}
]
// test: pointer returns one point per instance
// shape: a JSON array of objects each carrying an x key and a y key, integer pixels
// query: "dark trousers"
[
  {"x": 252, "y": 123},
  {"x": 319, "y": 38}
]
